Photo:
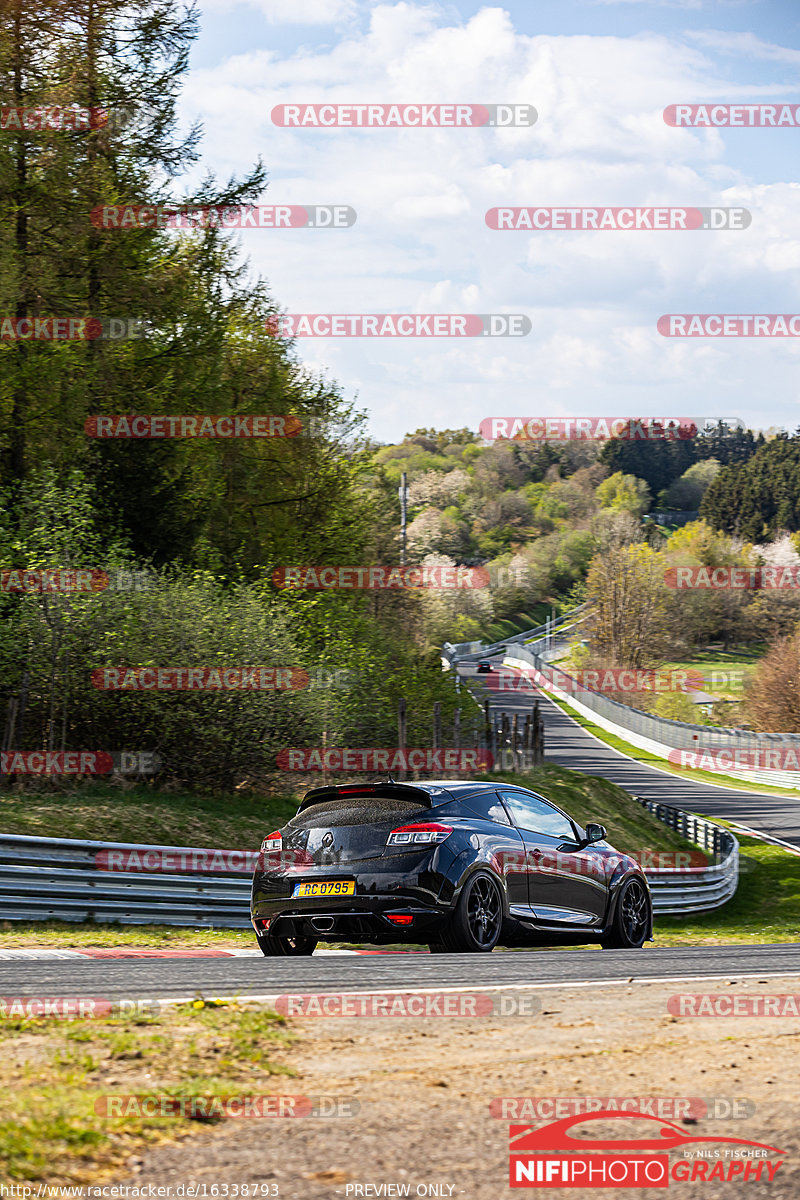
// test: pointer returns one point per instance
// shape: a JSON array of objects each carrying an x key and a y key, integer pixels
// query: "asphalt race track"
[
  {"x": 568, "y": 745},
  {"x": 187, "y": 978}
]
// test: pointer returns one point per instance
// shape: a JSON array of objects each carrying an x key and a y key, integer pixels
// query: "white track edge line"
[{"x": 269, "y": 997}]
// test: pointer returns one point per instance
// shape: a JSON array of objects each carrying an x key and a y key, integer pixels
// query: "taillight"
[
  {"x": 272, "y": 842},
  {"x": 400, "y": 918},
  {"x": 419, "y": 835}
]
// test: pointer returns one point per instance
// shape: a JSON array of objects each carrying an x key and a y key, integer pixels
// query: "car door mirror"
[{"x": 595, "y": 833}]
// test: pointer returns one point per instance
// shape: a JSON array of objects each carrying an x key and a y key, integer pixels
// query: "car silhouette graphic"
[{"x": 525, "y": 1139}]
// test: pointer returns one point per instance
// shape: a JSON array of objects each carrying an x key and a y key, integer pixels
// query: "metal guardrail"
[
  {"x": 695, "y": 889},
  {"x": 44, "y": 878}
]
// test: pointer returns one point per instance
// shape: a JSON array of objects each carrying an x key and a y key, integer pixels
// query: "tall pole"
[
  {"x": 401, "y": 730},
  {"x": 402, "y": 491}
]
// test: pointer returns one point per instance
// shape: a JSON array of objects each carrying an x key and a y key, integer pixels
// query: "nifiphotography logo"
[{"x": 553, "y": 1156}]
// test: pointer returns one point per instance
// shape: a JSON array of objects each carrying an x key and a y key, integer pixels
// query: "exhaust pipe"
[{"x": 322, "y": 924}]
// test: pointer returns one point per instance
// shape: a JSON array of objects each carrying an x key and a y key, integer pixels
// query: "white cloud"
[
  {"x": 749, "y": 45},
  {"x": 421, "y": 244}
]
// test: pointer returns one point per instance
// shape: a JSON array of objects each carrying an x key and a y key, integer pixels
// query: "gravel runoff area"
[{"x": 425, "y": 1087}]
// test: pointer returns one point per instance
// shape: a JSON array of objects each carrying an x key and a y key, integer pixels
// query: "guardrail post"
[{"x": 538, "y": 735}]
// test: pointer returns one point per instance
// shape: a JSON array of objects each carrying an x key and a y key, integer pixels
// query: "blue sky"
[{"x": 600, "y": 73}]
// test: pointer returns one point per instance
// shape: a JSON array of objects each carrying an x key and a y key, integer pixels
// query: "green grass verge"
[
  {"x": 76, "y": 934},
  {"x": 140, "y": 814},
  {"x": 741, "y": 661},
  {"x": 655, "y": 760},
  {"x": 54, "y": 1070},
  {"x": 765, "y": 908}
]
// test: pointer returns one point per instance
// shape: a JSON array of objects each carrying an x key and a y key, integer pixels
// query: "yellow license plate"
[{"x": 338, "y": 888}]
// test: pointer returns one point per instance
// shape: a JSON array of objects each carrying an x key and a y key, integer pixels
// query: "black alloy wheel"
[
  {"x": 478, "y": 920},
  {"x": 632, "y": 918}
]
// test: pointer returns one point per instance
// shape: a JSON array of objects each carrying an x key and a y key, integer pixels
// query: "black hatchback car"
[{"x": 459, "y": 866}]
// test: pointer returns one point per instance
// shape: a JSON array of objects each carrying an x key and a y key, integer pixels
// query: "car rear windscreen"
[{"x": 358, "y": 810}]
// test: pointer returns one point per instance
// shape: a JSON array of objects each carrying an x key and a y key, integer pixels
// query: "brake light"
[
  {"x": 356, "y": 791},
  {"x": 419, "y": 835},
  {"x": 400, "y": 918},
  {"x": 272, "y": 842}
]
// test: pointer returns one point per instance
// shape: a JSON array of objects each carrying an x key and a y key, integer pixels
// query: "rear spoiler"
[{"x": 400, "y": 791}]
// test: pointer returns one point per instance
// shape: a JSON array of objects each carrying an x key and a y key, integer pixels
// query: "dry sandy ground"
[{"x": 424, "y": 1087}]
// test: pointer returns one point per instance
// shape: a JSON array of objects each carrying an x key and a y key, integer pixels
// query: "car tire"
[
  {"x": 631, "y": 918},
  {"x": 283, "y": 947},
  {"x": 477, "y": 922}
]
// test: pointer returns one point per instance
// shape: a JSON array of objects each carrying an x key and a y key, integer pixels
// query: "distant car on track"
[
  {"x": 459, "y": 866},
  {"x": 484, "y": 667}
]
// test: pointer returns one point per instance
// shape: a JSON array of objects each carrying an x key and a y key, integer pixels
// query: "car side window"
[
  {"x": 486, "y": 804},
  {"x": 535, "y": 814}
]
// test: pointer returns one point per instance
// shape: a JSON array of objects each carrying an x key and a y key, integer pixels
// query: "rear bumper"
[{"x": 362, "y": 916}]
